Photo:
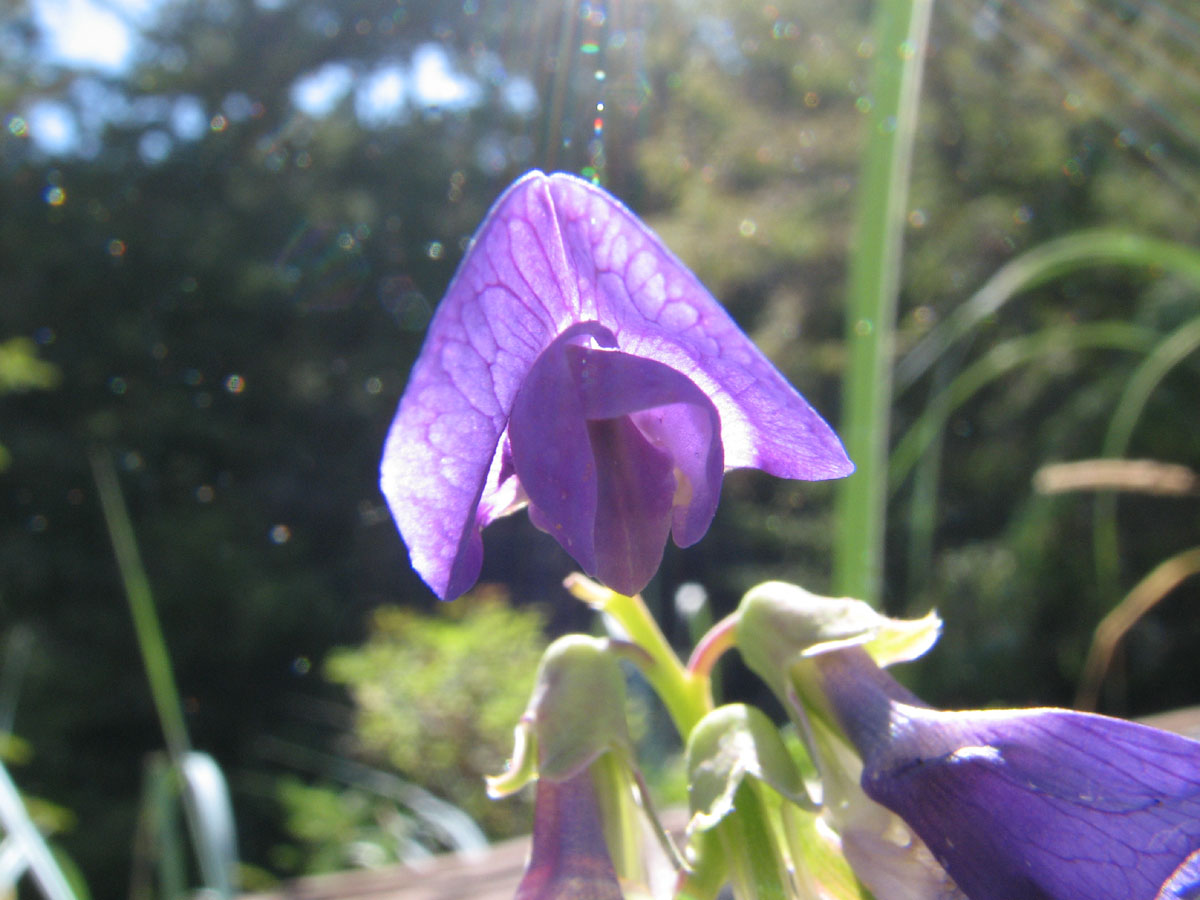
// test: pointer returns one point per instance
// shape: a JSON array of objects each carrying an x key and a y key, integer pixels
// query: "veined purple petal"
[
  {"x": 512, "y": 294},
  {"x": 569, "y": 859},
  {"x": 553, "y": 252},
  {"x": 1045, "y": 804}
]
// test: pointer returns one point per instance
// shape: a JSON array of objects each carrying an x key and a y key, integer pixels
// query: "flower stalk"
[{"x": 686, "y": 694}]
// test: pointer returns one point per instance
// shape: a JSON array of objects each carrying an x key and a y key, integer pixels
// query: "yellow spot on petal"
[{"x": 683, "y": 488}]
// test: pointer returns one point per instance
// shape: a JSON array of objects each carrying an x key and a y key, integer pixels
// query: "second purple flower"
[{"x": 577, "y": 367}]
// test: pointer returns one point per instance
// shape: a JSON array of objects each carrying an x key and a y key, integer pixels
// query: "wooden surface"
[
  {"x": 495, "y": 873},
  {"x": 492, "y": 875}
]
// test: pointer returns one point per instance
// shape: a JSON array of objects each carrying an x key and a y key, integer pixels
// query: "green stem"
[
  {"x": 901, "y": 28},
  {"x": 712, "y": 645},
  {"x": 686, "y": 695}
]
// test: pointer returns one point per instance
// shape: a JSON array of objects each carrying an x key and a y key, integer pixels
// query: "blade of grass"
[
  {"x": 205, "y": 809},
  {"x": 922, "y": 499},
  {"x": 216, "y": 844},
  {"x": 151, "y": 643},
  {"x": 1173, "y": 349},
  {"x": 1000, "y": 360},
  {"x": 158, "y": 844},
  {"x": 20, "y": 828},
  {"x": 1053, "y": 259},
  {"x": 901, "y": 28},
  {"x": 1163, "y": 579}
]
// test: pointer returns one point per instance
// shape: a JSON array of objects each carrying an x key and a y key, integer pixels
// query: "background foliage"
[{"x": 231, "y": 290}]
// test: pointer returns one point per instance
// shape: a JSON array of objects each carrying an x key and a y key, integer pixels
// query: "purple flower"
[
  {"x": 569, "y": 859},
  {"x": 1038, "y": 804},
  {"x": 577, "y": 367}
]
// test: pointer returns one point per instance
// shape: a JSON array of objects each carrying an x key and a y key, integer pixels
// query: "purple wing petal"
[
  {"x": 630, "y": 282},
  {"x": 552, "y": 452},
  {"x": 512, "y": 294},
  {"x": 1044, "y": 803},
  {"x": 614, "y": 451},
  {"x": 673, "y": 415}
]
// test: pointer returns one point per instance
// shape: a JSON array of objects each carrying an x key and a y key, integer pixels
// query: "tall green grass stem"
[{"x": 901, "y": 28}]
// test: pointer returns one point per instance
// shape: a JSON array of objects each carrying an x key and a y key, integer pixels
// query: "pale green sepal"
[
  {"x": 753, "y": 842},
  {"x": 780, "y": 624},
  {"x": 576, "y": 713},
  {"x": 731, "y": 743},
  {"x": 613, "y": 782},
  {"x": 522, "y": 767},
  {"x": 578, "y": 706}
]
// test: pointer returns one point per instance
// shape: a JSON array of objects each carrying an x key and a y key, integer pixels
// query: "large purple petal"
[
  {"x": 569, "y": 859},
  {"x": 1045, "y": 804}
]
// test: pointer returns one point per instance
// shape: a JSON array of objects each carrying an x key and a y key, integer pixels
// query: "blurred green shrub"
[
  {"x": 21, "y": 370},
  {"x": 338, "y": 828},
  {"x": 437, "y": 697}
]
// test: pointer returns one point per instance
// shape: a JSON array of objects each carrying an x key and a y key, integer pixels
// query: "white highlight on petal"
[{"x": 970, "y": 754}]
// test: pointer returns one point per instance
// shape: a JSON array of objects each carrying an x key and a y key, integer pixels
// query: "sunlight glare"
[
  {"x": 88, "y": 34},
  {"x": 435, "y": 84},
  {"x": 317, "y": 93}
]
